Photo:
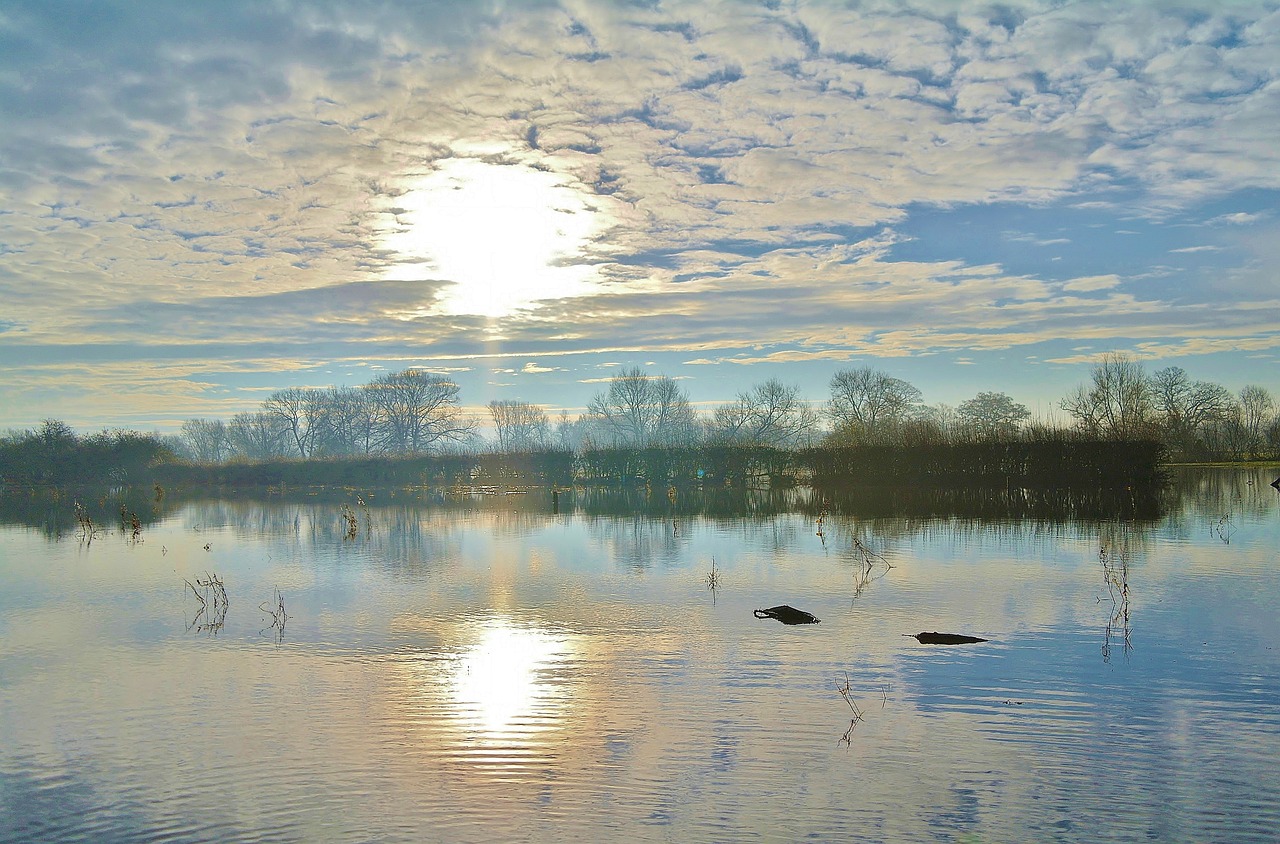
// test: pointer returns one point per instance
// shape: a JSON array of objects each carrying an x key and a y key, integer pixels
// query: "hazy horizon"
[{"x": 202, "y": 204}]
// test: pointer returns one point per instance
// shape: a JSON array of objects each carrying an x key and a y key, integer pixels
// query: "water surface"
[{"x": 494, "y": 668}]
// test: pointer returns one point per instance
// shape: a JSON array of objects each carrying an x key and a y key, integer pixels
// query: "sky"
[{"x": 201, "y": 203}]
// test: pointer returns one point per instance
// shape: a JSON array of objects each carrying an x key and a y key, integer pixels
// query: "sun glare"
[
  {"x": 505, "y": 236},
  {"x": 503, "y": 681}
]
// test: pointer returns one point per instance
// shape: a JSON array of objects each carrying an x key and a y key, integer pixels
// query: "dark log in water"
[
  {"x": 944, "y": 638},
  {"x": 787, "y": 615},
  {"x": 1276, "y": 483}
]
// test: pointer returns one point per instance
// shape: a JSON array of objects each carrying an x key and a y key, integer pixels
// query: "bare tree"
[
  {"x": 1118, "y": 403},
  {"x": 674, "y": 421},
  {"x": 205, "y": 439},
  {"x": 256, "y": 436},
  {"x": 1256, "y": 406},
  {"x": 870, "y": 403},
  {"x": 942, "y": 418},
  {"x": 570, "y": 433},
  {"x": 639, "y": 410},
  {"x": 346, "y": 422},
  {"x": 992, "y": 415},
  {"x": 520, "y": 426},
  {"x": 1184, "y": 407},
  {"x": 298, "y": 412},
  {"x": 771, "y": 413},
  {"x": 415, "y": 410}
]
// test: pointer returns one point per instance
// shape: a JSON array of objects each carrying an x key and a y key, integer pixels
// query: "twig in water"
[
  {"x": 278, "y": 616},
  {"x": 858, "y": 715},
  {"x": 713, "y": 578},
  {"x": 87, "y": 528},
  {"x": 1224, "y": 528},
  {"x": 845, "y": 691},
  {"x": 368, "y": 517},
  {"x": 868, "y": 562},
  {"x": 869, "y": 559},
  {"x": 353, "y": 524},
  {"x": 213, "y": 601}
]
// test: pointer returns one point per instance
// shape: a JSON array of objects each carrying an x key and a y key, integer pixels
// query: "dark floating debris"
[
  {"x": 1276, "y": 483},
  {"x": 944, "y": 638},
  {"x": 787, "y": 615}
]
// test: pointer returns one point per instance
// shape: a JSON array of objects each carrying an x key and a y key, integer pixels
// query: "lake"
[{"x": 421, "y": 666}]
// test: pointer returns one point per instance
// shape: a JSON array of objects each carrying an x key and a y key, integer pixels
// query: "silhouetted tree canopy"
[
  {"x": 771, "y": 414},
  {"x": 54, "y": 454},
  {"x": 639, "y": 410},
  {"x": 992, "y": 415}
]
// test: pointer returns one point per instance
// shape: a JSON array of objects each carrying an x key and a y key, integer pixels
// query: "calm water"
[{"x": 489, "y": 670}]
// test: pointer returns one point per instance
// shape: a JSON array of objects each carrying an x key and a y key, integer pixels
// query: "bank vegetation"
[{"x": 409, "y": 429}]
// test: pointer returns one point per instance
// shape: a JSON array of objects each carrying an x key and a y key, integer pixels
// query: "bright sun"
[{"x": 504, "y": 235}]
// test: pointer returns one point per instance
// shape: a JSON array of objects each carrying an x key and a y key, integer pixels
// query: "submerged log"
[
  {"x": 944, "y": 638},
  {"x": 787, "y": 615}
]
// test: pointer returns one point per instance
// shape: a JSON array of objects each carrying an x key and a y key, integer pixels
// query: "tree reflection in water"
[{"x": 1115, "y": 557}]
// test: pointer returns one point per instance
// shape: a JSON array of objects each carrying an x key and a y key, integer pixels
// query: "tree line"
[
  {"x": 55, "y": 454},
  {"x": 409, "y": 412},
  {"x": 415, "y": 412}
]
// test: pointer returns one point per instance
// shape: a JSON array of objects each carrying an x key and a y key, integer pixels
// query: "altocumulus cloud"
[{"x": 213, "y": 176}]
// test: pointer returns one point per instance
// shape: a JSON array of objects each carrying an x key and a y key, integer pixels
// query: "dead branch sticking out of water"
[
  {"x": 871, "y": 566},
  {"x": 712, "y": 579},
  {"x": 858, "y": 715},
  {"x": 1225, "y": 528},
  {"x": 278, "y": 616},
  {"x": 368, "y": 517},
  {"x": 130, "y": 522},
  {"x": 353, "y": 523},
  {"x": 88, "y": 530},
  {"x": 212, "y": 595},
  {"x": 1115, "y": 574}
]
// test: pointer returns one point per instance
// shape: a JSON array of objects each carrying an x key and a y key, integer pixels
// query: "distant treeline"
[
  {"x": 55, "y": 455},
  {"x": 1059, "y": 462},
  {"x": 1049, "y": 462},
  {"x": 407, "y": 429},
  {"x": 448, "y": 470},
  {"x": 416, "y": 412}
]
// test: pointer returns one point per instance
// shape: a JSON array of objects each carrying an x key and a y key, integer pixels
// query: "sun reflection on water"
[{"x": 511, "y": 682}]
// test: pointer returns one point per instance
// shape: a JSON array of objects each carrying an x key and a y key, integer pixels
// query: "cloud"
[
  {"x": 1239, "y": 218},
  {"x": 188, "y": 181},
  {"x": 1092, "y": 283},
  {"x": 1192, "y": 346}
]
